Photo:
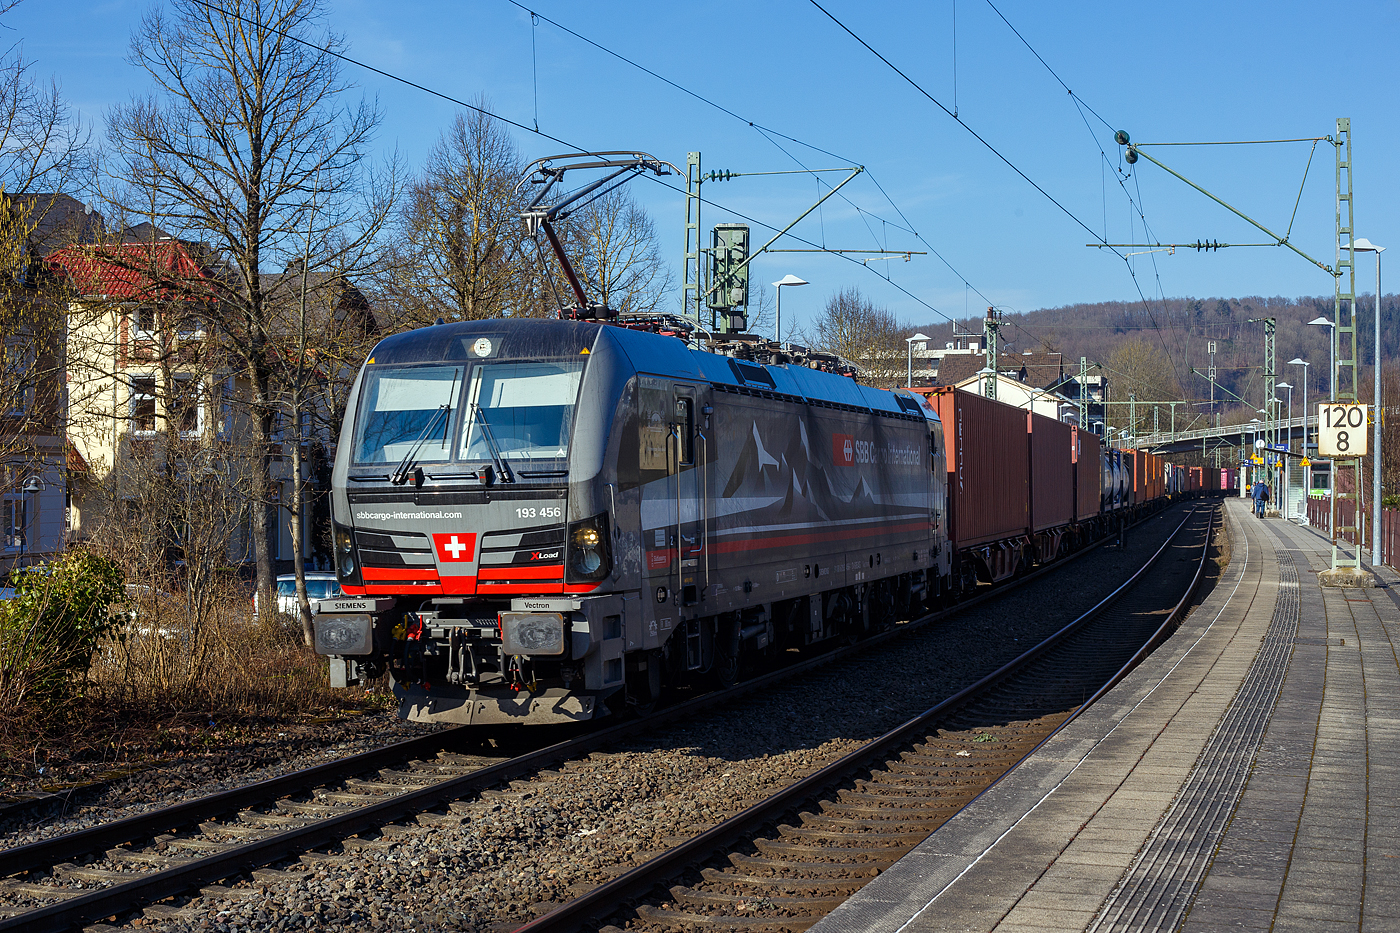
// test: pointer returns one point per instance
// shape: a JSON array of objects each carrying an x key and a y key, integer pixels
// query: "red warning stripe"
[{"x": 550, "y": 572}]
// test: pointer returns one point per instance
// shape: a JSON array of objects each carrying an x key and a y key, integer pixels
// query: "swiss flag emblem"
[
  {"x": 843, "y": 449},
  {"x": 455, "y": 547}
]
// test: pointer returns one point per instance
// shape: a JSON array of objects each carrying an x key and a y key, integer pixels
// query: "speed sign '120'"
[{"x": 1341, "y": 430}]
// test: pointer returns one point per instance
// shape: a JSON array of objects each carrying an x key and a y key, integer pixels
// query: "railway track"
[
  {"x": 113, "y": 870},
  {"x": 945, "y": 757}
]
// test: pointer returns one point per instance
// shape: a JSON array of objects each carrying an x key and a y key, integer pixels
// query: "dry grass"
[{"x": 161, "y": 675}]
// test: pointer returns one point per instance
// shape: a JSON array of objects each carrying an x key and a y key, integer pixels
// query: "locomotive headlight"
[
  {"x": 532, "y": 632},
  {"x": 346, "y": 567},
  {"x": 344, "y": 634},
  {"x": 588, "y": 549}
]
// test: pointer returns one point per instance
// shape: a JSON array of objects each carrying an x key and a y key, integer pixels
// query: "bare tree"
[
  {"x": 1139, "y": 368},
  {"x": 854, "y": 327},
  {"x": 612, "y": 245},
  {"x": 326, "y": 329},
  {"x": 43, "y": 149},
  {"x": 250, "y": 135},
  {"x": 43, "y": 145},
  {"x": 459, "y": 248}
]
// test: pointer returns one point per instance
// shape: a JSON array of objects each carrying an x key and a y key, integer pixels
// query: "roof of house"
[
  {"x": 134, "y": 271},
  {"x": 58, "y": 220},
  {"x": 1040, "y": 370},
  {"x": 330, "y": 297}
]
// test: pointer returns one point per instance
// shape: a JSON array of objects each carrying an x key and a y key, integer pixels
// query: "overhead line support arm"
[
  {"x": 732, "y": 272},
  {"x": 1280, "y": 240}
]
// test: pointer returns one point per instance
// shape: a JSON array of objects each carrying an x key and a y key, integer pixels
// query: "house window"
[
  {"x": 17, "y": 367},
  {"x": 190, "y": 328},
  {"x": 14, "y": 514},
  {"x": 226, "y": 409},
  {"x": 187, "y": 405},
  {"x": 143, "y": 404},
  {"x": 142, "y": 322}
]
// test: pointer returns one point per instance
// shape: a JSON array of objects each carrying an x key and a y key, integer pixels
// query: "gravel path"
[{"x": 489, "y": 864}]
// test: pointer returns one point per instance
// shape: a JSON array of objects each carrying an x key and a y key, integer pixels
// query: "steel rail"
[
  {"x": 144, "y": 825},
  {"x": 148, "y": 888},
  {"x": 606, "y": 898}
]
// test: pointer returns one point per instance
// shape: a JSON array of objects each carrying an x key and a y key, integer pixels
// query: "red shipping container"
[
  {"x": 1088, "y": 476},
  {"x": 1136, "y": 463},
  {"x": 1151, "y": 472},
  {"x": 1052, "y": 472},
  {"x": 988, "y": 467}
]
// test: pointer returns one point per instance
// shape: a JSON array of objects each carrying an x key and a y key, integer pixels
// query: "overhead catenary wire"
[
  {"x": 769, "y": 134},
  {"x": 1135, "y": 203},
  {"x": 564, "y": 142},
  {"x": 1051, "y": 198}
]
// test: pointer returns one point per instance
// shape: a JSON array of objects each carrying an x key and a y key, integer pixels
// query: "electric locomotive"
[{"x": 540, "y": 521}]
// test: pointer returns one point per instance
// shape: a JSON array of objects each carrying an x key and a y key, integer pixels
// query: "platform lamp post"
[
  {"x": 1365, "y": 245},
  {"x": 909, "y": 343},
  {"x": 986, "y": 378},
  {"x": 778, "y": 313},
  {"x": 1321, "y": 321},
  {"x": 1288, "y": 442},
  {"x": 1254, "y": 448},
  {"x": 1307, "y": 472}
]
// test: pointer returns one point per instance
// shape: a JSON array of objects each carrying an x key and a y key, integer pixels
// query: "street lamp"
[
  {"x": 985, "y": 377},
  {"x": 909, "y": 342},
  {"x": 1288, "y": 436},
  {"x": 32, "y": 486},
  {"x": 1365, "y": 245},
  {"x": 778, "y": 324},
  {"x": 1307, "y": 473},
  {"x": 1288, "y": 442},
  {"x": 1299, "y": 361},
  {"x": 1321, "y": 321}
]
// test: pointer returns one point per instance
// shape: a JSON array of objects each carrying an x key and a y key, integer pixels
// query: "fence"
[{"x": 1320, "y": 516}]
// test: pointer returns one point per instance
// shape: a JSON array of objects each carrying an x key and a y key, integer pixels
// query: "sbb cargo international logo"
[{"x": 843, "y": 450}]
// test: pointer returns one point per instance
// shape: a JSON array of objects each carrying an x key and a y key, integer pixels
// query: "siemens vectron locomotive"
[{"x": 545, "y": 520}]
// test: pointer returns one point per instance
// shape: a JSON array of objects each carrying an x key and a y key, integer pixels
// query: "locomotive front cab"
[{"x": 469, "y": 536}]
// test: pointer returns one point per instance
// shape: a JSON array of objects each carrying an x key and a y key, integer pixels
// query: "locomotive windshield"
[
  {"x": 399, "y": 405},
  {"x": 525, "y": 409}
]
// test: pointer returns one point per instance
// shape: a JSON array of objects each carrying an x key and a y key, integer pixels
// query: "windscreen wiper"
[
  {"x": 405, "y": 465},
  {"x": 490, "y": 439}
]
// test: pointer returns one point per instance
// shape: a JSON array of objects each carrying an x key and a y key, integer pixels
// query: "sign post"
[{"x": 1342, "y": 435}]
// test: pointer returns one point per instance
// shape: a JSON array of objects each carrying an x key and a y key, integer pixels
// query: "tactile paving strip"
[{"x": 1159, "y": 886}]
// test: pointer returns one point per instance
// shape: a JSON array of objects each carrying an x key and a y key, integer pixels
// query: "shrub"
[{"x": 49, "y": 631}]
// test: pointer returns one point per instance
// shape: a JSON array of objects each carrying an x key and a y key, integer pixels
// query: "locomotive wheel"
[
  {"x": 726, "y": 670},
  {"x": 882, "y": 607},
  {"x": 645, "y": 688}
]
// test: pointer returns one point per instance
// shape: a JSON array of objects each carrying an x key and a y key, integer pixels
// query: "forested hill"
[{"x": 1179, "y": 330}]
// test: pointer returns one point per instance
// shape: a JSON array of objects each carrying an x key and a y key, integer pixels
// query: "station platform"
[{"x": 1246, "y": 776}]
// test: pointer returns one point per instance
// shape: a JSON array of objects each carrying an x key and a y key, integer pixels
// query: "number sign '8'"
[{"x": 1342, "y": 430}]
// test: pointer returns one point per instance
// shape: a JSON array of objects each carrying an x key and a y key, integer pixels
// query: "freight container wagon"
[
  {"x": 1088, "y": 477},
  {"x": 988, "y": 453},
  {"x": 1052, "y": 484}
]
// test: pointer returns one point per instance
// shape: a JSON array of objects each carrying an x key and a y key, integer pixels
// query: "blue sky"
[{"x": 1180, "y": 72}]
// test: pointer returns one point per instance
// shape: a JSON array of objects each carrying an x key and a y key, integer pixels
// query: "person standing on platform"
[{"x": 1260, "y": 494}]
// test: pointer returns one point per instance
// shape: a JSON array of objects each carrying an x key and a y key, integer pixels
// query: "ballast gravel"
[
  {"x": 264, "y": 754},
  {"x": 488, "y": 864}
]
